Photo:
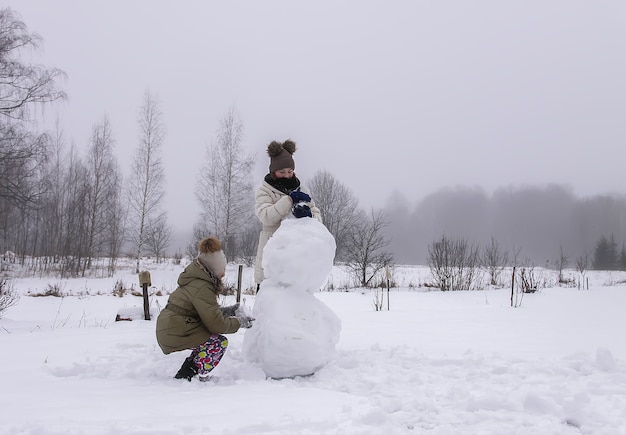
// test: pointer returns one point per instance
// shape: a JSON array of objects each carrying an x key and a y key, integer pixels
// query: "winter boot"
[{"x": 188, "y": 370}]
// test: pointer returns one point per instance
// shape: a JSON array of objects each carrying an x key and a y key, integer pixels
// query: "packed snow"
[
  {"x": 294, "y": 332},
  {"x": 426, "y": 362}
]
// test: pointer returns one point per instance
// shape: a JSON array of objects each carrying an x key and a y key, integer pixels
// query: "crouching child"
[{"x": 193, "y": 319}]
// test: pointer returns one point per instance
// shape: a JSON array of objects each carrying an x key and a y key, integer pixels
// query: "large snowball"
[{"x": 299, "y": 254}]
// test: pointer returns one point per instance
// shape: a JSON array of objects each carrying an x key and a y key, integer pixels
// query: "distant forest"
[
  {"x": 536, "y": 223},
  {"x": 66, "y": 211}
]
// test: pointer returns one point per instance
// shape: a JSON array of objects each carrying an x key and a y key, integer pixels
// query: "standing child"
[{"x": 280, "y": 196}]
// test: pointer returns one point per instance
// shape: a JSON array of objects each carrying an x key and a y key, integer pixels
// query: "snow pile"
[
  {"x": 294, "y": 334},
  {"x": 136, "y": 313}
]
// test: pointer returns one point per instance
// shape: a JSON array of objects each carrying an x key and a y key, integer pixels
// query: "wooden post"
[
  {"x": 239, "y": 274},
  {"x": 388, "y": 274},
  {"x": 512, "y": 285},
  {"x": 145, "y": 282}
]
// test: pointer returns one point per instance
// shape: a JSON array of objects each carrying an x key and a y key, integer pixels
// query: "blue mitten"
[
  {"x": 298, "y": 196},
  {"x": 301, "y": 210}
]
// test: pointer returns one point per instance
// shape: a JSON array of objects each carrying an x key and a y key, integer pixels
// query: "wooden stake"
[{"x": 239, "y": 274}]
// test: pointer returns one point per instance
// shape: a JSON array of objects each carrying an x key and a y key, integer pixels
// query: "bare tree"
[
  {"x": 147, "y": 178},
  {"x": 116, "y": 218},
  {"x": 22, "y": 84},
  {"x": 494, "y": 260},
  {"x": 22, "y": 152},
  {"x": 582, "y": 266},
  {"x": 441, "y": 263},
  {"x": 74, "y": 221},
  {"x": 248, "y": 242},
  {"x": 82, "y": 215},
  {"x": 53, "y": 202},
  {"x": 54, "y": 230},
  {"x": 199, "y": 231},
  {"x": 338, "y": 206},
  {"x": 225, "y": 188},
  {"x": 158, "y": 237},
  {"x": 561, "y": 264},
  {"x": 30, "y": 214},
  {"x": 22, "y": 157},
  {"x": 22, "y": 184},
  {"x": 103, "y": 193},
  {"x": 365, "y": 250}
]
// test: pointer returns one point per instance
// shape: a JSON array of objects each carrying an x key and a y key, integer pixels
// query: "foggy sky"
[{"x": 405, "y": 96}]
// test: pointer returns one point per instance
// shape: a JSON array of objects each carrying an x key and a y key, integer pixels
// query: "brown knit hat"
[
  {"x": 280, "y": 155},
  {"x": 211, "y": 256}
]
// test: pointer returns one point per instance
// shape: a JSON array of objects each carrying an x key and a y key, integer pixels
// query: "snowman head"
[{"x": 299, "y": 255}]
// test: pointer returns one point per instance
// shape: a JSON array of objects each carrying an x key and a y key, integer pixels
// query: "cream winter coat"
[{"x": 271, "y": 206}]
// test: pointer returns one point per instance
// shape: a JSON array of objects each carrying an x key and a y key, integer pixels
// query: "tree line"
[
  {"x": 70, "y": 213},
  {"x": 62, "y": 210},
  {"x": 66, "y": 212},
  {"x": 537, "y": 223}
]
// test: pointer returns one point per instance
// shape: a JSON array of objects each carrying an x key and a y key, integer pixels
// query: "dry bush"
[
  {"x": 54, "y": 290},
  {"x": 454, "y": 264},
  {"x": 8, "y": 296},
  {"x": 120, "y": 289},
  {"x": 378, "y": 300}
]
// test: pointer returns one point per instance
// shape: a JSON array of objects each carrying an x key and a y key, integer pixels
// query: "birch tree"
[
  {"x": 225, "y": 188},
  {"x": 147, "y": 177},
  {"x": 74, "y": 221},
  {"x": 103, "y": 190},
  {"x": 22, "y": 84},
  {"x": 55, "y": 199}
]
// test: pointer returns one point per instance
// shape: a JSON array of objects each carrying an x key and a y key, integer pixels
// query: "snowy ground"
[{"x": 437, "y": 363}]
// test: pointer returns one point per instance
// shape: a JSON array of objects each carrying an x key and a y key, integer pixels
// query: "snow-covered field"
[{"x": 435, "y": 362}]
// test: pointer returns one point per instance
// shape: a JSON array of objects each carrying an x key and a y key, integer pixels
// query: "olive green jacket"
[{"x": 195, "y": 313}]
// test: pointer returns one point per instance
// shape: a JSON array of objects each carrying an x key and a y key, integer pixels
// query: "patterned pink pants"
[{"x": 208, "y": 355}]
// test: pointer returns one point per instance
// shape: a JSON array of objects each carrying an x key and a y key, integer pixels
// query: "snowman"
[{"x": 294, "y": 333}]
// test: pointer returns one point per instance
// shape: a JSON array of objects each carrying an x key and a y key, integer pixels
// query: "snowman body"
[{"x": 294, "y": 333}]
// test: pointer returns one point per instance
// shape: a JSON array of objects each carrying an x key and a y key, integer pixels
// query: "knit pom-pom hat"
[
  {"x": 211, "y": 256},
  {"x": 281, "y": 155}
]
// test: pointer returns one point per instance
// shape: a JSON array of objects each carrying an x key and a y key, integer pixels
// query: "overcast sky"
[{"x": 387, "y": 95}]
